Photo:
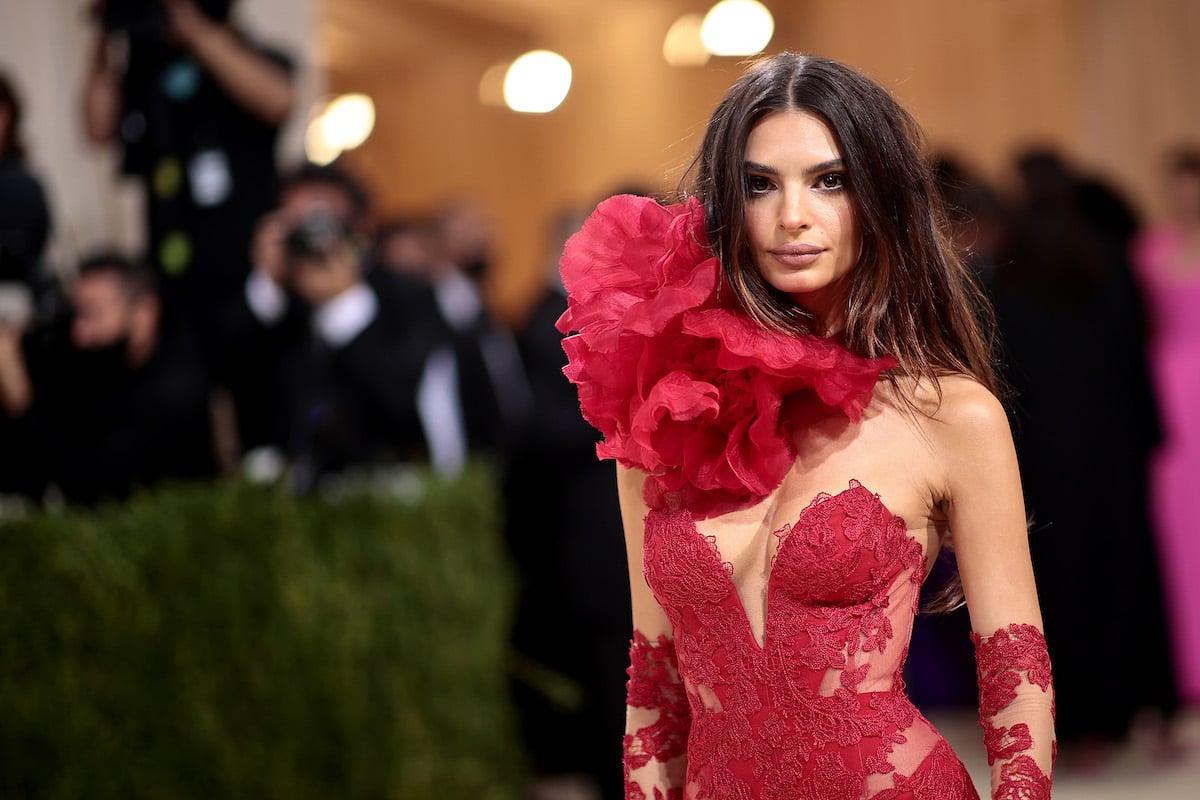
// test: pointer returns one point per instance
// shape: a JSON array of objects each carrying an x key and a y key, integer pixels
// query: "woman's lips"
[{"x": 796, "y": 255}]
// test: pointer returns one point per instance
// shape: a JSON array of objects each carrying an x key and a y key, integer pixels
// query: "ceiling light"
[
  {"x": 491, "y": 84},
  {"x": 537, "y": 82},
  {"x": 349, "y": 120},
  {"x": 338, "y": 125},
  {"x": 683, "y": 47},
  {"x": 737, "y": 28}
]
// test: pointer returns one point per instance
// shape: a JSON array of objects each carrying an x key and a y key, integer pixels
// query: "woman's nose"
[{"x": 794, "y": 213}]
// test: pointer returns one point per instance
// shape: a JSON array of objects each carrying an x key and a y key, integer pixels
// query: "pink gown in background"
[
  {"x": 1172, "y": 289},
  {"x": 689, "y": 389}
]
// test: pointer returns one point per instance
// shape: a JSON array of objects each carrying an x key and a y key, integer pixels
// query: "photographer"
[
  {"x": 197, "y": 107},
  {"x": 449, "y": 255},
  {"x": 350, "y": 361},
  {"x": 112, "y": 401}
]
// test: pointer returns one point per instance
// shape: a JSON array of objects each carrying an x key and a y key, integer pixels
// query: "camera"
[
  {"x": 147, "y": 19},
  {"x": 316, "y": 236}
]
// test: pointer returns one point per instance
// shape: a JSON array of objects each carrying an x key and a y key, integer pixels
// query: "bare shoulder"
[
  {"x": 967, "y": 406},
  {"x": 967, "y": 427},
  {"x": 954, "y": 400}
]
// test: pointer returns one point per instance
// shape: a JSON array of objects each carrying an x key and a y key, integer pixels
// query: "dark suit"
[
  {"x": 564, "y": 530},
  {"x": 97, "y": 430},
  {"x": 331, "y": 406}
]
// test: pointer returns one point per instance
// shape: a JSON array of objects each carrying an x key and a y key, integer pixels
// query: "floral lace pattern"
[
  {"x": 1013, "y": 668},
  {"x": 818, "y": 709},
  {"x": 655, "y": 695}
]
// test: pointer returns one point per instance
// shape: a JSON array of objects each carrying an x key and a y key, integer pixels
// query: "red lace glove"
[
  {"x": 1016, "y": 711},
  {"x": 657, "y": 722}
]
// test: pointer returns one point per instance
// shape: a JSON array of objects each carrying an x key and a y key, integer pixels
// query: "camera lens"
[{"x": 316, "y": 236}]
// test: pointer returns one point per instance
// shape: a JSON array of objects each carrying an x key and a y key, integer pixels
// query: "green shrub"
[{"x": 233, "y": 641}]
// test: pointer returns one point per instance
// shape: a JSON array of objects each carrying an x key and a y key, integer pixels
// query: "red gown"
[{"x": 688, "y": 389}]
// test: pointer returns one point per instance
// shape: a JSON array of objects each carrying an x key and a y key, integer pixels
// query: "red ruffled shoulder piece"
[{"x": 681, "y": 386}]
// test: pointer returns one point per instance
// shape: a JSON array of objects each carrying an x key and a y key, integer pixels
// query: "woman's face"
[{"x": 800, "y": 221}]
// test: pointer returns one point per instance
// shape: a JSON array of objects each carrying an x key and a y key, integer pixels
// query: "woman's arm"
[
  {"x": 985, "y": 509},
  {"x": 657, "y": 716}
]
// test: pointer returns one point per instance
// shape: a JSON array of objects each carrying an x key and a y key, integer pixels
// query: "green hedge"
[{"x": 233, "y": 641}]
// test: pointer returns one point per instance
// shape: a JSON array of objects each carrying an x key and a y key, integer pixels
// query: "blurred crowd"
[
  {"x": 274, "y": 325},
  {"x": 270, "y": 323},
  {"x": 1098, "y": 322}
]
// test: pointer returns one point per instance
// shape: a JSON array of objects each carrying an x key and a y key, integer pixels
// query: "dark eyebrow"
[{"x": 815, "y": 169}]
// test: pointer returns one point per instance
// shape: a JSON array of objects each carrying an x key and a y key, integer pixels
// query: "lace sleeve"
[
  {"x": 657, "y": 722},
  {"x": 1016, "y": 711}
]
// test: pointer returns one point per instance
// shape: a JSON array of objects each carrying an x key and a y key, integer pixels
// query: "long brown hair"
[{"x": 910, "y": 295}]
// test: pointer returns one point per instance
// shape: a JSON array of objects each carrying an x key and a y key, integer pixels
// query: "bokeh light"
[
  {"x": 682, "y": 46},
  {"x": 537, "y": 82},
  {"x": 737, "y": 28},
  {"x": 491, "y": 84},
  {"x": 349, "y": 120},
  {"x": 338, "y": 125},
  {"x": 316, "y": 148}
]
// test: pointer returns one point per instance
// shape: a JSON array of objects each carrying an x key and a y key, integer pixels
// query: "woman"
[
  {"x": 1167, "y": 258},
  {"x": 781, "y": 503}
]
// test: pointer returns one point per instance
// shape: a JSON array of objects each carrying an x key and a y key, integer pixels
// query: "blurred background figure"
[
  {"x": 563, "y": 527},
  {"x": 107, "y": 399},
  {"x": 408, "y": 247},
  {"x": 450, "y": 254},
  {"x": 975, "y": 214},
  {"x": 495, "y": 391},
  {"x": 940, "y": 670},
  {"x": 1085, "y": 423},
  {"x": 24, "y": 219},
  {"x": 1168, "y": 262},
  {"x": 196, "y": 107},
  {"x": 348, "y": 369},
  {"x": 255, "y": 330}
]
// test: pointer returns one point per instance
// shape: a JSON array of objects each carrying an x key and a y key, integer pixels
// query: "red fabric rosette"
[{"x": 682, "y": 387}]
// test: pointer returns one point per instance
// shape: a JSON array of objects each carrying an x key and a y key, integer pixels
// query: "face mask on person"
[
  {"x": 103, "y": 364},
  {"x": 476, "y": 267}
]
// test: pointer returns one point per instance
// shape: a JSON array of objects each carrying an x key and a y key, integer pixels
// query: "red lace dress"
[{"x": 696, "y": 395}]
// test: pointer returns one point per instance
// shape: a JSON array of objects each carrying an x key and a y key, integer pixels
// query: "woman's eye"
[
  {"x": 757, "y": 184},
  {"x": 833, "y": 180}
]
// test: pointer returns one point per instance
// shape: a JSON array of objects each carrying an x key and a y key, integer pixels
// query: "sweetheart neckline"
[{"x": 726, "y": 567}]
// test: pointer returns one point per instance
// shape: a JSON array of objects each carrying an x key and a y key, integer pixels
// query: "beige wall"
[{"x": 1109, "y": 81}]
